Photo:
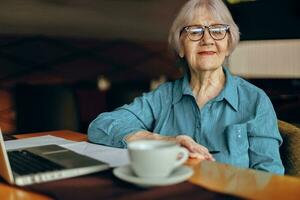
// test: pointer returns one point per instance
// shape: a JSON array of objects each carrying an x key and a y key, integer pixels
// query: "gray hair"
[{"x": 216, "y": 7}]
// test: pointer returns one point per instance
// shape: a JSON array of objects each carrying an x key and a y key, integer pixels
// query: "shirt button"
[{"x": 239, "y": 136}]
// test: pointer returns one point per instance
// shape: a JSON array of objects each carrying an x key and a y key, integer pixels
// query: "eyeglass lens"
[{"x": 217, "y": 32}]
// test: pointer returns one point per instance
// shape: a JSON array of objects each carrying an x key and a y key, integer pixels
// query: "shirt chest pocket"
[{"x": 237, "y": 139}]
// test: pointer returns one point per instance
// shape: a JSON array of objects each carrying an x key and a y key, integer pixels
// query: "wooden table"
[{"x": 212, "y": 178}]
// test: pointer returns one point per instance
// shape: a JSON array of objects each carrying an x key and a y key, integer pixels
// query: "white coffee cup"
[{"x": 155, "y": 158}]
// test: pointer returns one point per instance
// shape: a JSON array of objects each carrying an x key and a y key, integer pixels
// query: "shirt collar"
[
  {"x": 229, "y": 93},
  {"x": 182, "y": 87}
]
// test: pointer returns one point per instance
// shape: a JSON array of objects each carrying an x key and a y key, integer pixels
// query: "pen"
[{"x": 214, "y": 152}]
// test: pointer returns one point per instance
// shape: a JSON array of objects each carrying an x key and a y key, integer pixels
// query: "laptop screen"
[{"x": 5, "y": 169}]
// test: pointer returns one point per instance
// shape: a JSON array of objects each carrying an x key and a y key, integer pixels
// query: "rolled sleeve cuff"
[{"x": 119, "y": 140}]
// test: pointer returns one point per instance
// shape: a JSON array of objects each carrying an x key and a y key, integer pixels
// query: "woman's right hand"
[{"x": 196, "y": 150}]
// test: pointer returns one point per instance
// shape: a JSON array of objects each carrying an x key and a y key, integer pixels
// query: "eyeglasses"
[{"x": 216, "y": 31}]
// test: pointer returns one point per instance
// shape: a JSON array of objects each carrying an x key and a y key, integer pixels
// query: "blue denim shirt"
[{"x": 240, "y": 122}]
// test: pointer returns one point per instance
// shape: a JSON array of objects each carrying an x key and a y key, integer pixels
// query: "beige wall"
[{"x": 267, "y": 59}]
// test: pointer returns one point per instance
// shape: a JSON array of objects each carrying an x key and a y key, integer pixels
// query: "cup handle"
[{"x": 185, "y": 156}]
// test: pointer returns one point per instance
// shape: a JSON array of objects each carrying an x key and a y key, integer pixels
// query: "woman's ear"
[
  {"x": 227, "y": 53},
  {"x": 181, "y": 48},
  {"x": 228, "y": 48},
  {"x": 181, "y": 53}
]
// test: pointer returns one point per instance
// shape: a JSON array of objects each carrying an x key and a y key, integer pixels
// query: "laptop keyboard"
[{"x": 24, "y": 162}]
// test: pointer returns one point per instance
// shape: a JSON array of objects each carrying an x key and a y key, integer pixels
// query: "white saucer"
[{"x": 178, "y": 175}]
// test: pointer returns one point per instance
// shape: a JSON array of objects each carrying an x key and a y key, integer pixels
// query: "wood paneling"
[{"x": 7, "y": 113}]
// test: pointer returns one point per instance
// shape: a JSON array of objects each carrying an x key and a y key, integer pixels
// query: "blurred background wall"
[{"x": 62, "y": 62}]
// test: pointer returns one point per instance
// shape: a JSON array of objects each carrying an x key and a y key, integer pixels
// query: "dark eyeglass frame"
[{"x": 187, "y": 30}]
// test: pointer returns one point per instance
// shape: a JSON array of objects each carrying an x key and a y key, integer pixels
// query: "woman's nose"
[{"x": 207, "y": 39}]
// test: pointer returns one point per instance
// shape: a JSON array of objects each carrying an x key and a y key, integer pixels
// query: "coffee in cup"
[{"x": 155, "y": 158}]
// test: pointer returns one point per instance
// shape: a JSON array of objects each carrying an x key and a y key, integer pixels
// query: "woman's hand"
[{"x": 196, "y": 150}]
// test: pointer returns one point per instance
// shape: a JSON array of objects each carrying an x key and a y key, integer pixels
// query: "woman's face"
[{"x": 206, "y": 54}]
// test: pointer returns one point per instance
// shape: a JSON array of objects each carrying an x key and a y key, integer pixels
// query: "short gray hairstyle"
[{"x": 216, "y": 7}]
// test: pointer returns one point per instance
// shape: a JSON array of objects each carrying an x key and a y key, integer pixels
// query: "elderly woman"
[{"x": 209, "y": 109}]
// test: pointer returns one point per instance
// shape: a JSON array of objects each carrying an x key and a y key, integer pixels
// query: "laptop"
[{"x": 32, "y": 165}]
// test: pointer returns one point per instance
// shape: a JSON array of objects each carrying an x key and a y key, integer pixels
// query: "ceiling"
[
  {"x": 148, "y": 20},
  {"x": 105, "y": 19}
]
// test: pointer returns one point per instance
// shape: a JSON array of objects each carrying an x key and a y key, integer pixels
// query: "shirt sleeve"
[
  {"x": 110, "y": 128},
  {"x": 265, "y": 139}
]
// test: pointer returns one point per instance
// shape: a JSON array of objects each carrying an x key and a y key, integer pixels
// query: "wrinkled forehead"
[{"x": 196, "y": 13}]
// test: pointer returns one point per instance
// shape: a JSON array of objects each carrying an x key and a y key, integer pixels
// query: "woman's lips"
[{"x": 206, "y": 53}]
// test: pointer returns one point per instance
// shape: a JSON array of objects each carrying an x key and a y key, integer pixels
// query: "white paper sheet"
[
  {"x": 115, "y": 157},
  {"x": 35, "y": 141}
]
